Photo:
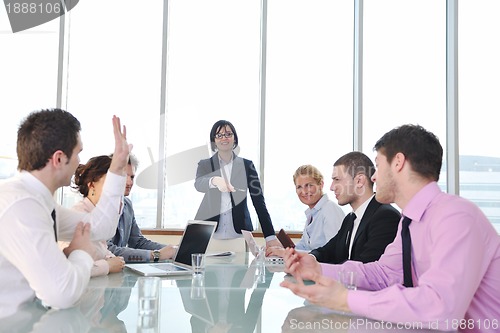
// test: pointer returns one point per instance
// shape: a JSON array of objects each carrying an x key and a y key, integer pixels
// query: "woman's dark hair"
[
  {"x": 90, "y": 172},
  {"x": 217, "y": 127}
]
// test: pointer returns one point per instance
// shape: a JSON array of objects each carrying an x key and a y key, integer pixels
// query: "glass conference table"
[{"x": 238, "y": 296}]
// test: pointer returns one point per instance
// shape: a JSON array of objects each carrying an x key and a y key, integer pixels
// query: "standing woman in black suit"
[{"x": 226, "y": 179}]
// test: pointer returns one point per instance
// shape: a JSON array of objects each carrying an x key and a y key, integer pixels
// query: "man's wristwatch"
[{"x": 156, "y": 255}]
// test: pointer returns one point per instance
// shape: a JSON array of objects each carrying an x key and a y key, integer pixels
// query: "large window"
[
  {"x": 479, "y": 69},
  {"x": 113, "y": 68},
  {"x": 28, "y": 80},
  {"x": 212, "y": 74},
  {"x": 284, "y": 79},
  {"x": 308, "y": 114},
  {"x": 404, "y": 67}
]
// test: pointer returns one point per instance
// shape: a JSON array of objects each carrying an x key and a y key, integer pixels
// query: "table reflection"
[
  {"x": 221, "y": 306},
  {"x": 232, "y": 296},
  {"x": 96, "y": 311}
]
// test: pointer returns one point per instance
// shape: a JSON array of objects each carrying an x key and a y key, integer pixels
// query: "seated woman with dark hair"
[{"x": 89, "y": 179}]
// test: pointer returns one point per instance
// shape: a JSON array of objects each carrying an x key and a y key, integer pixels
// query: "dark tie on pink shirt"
[{"x": 406, "y": 238}]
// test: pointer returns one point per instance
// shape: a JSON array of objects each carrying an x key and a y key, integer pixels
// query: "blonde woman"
[{"x": 323, "y": 216}]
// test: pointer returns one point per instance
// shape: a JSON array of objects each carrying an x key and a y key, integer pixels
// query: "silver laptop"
[
  {"x": 252, "y": 246},
  {"x": 195, "y": 239}
]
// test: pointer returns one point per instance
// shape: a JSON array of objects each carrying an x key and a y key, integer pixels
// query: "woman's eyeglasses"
[{"x": 224, "y": 135}]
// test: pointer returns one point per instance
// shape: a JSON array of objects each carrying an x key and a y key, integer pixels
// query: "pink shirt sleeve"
[
  {"x": 451, "y": 262},
  {"x": 99, "y": 268}
]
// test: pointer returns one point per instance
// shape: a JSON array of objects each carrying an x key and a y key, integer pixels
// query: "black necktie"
[
  {"x": 350, "y": 227},
  {"x": 53, "y": 214},
  {"x": 405, "y": 236}
]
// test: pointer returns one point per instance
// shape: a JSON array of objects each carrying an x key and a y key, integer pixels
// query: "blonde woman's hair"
[{"x": 310, "y": 171}]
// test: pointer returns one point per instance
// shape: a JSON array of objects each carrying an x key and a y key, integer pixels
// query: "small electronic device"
[
  {"x": 253, "y": 247},
  {"x": 284, "y": 239}
]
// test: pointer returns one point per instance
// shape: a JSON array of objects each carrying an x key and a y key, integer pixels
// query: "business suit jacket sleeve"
[
  {"x": 377, "y": 229},
  {"x": 139, "y": 247},
  {"x": 379, "y": 233},
  {"x": 129, "y": 254},
  {"x": 138, "y": 241},
  {"x": 132, "y": 233},
  {"x": 209, "y": 208},
  {"x": 334, "y": 251},
  {"x": 258, "y": 201},
  {"x": 203, "y": 175}
]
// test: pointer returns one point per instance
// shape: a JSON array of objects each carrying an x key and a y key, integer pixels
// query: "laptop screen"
[{"x": 195, "y": 240}]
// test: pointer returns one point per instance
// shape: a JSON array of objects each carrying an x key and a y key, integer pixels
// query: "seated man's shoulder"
[
  {"x": 128, "y": 207},
  {"x": 127, "y": 201},
  {"x": 390, "y": 209},
  {"x": 386, "y": 213}
]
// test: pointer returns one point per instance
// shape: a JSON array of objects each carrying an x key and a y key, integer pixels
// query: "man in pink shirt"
[{"x": 455, "y": 251}]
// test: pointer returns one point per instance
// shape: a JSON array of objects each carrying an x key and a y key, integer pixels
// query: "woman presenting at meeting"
[{"x": 226, "y": 179}]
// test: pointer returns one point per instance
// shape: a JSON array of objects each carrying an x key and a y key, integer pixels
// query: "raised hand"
[{"x": 122, "y": 148}]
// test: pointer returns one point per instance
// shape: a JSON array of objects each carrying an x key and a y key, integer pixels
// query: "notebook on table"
[
  {"x": 195, "y": 239},
  {"x": 253, "y": 247}
]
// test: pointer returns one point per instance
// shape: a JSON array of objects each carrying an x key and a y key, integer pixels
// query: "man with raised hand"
[{"x": 31, "y": 264}]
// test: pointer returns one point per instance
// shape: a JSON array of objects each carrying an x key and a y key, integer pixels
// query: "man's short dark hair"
[
  {"x": 356, "y": 163},
  {"x": 420, "y": 147},
  {"x": 44, "y": 132}
]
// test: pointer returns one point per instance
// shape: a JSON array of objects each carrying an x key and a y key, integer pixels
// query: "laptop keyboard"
[{"x": 168, "y": 267}]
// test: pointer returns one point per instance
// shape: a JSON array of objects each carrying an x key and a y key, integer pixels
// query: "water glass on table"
[
  {"x": 198, "y": 286},
  {"x": 348, "y": 279},
  {"x": 147, "y": 324},
  {"x": 198, "y": 263},
  {"x": 149, "y": 295},
  {"x": 261, "y": 255}
]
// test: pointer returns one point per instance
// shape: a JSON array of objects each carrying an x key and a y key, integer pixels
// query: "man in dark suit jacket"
[{"x": 375, "y": 224}]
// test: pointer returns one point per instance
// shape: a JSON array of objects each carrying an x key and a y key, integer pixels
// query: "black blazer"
[
  {"x": 376, "y": 230},
  {"x": 244, "y": 177}
]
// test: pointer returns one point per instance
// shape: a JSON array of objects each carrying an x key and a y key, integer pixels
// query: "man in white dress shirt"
[{"x": 31, "y": 264}]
